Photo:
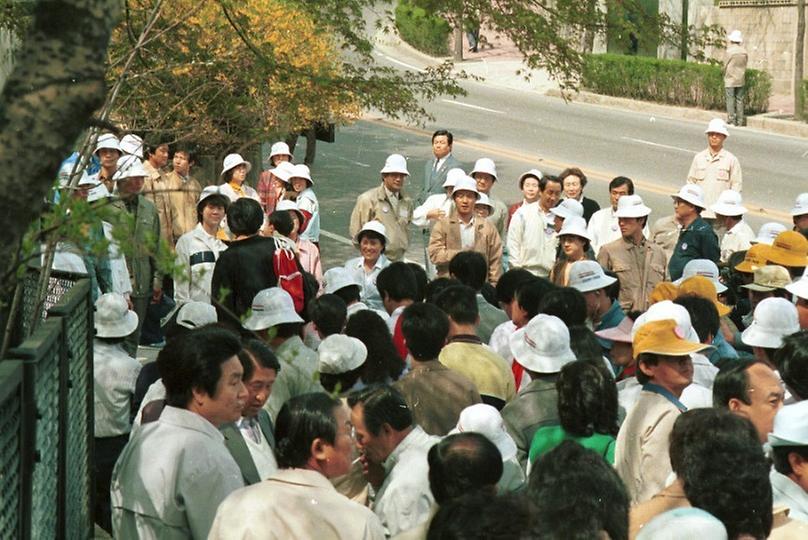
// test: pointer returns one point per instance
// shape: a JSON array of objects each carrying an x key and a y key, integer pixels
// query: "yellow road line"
[{"x": 605, "y": 177}]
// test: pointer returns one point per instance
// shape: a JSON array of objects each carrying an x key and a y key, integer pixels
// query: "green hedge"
[
  {"x": 673, "y": 82},
  {"x": 425, "y": 31}
]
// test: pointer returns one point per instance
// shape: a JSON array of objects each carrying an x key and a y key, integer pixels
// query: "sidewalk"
[{"x": 498, "y": 61}]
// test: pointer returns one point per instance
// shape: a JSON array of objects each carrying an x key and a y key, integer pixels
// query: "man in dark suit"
[
  {"x": 251, "y": 440},
  {"x": 436, "y": 168}
]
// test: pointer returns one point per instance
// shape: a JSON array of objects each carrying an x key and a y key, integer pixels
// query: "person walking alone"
[{"x": 734, "y": 78}]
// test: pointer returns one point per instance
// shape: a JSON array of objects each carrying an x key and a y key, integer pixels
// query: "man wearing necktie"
[{"x": 437, "y": 167}]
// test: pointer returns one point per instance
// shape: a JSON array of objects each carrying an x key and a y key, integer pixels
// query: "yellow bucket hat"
[
  {"x": 664, "y": 337},
  {"x": 664, "y": 290},
  {"x": 790, "y": 248},
  {"x": 702, "y": 286},
  {"x": 755, "y": 258}
]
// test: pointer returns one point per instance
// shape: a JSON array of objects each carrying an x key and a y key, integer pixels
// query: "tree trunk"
[
  {"x": 49, "y": 98},
  {"x": 458, "y": 39},
  {"x": 799, "y": 56},
  {"x": 685, "y": 28}
]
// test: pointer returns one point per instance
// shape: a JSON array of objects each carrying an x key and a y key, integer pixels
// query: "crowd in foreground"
[{"x": 552, "y": 370}]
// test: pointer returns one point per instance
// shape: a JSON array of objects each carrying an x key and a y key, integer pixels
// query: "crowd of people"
[{"x": 552, "y": 369}]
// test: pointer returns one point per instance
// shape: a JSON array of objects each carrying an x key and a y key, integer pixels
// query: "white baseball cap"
[
  {"x": 339, "y": 353},
  {"x": 285, "y": 170},
  {"x": 374, "y": 226},
  {"x": 800, "y": 205},
  {"x": 132, "y": 144},
  {"x": 631, "y": 206},
  {"x": 735, "y": 36},
  {"x": 693, "y": 194},
  {"x": 543, "y": 344},
  {"x": 487, "y": 421},
  {"x": 231, "y": 161},
  {"x": 800, "y": 286},
  {"x": 484, "y": 200},
  {"x": 575, "y": 225},
  {"x": 790, "y": 426},
  {"x": 705, "y": 268},
  {"x": 485, "y": 165},
  {"x": 279, "y": 148},
  {"x": 774, "y": 318},
  {"x": 207, "y": 191},
  {"x": 729, "y": 203},
  {"x": 108, "y": 141},
  {"x": 337, "y": 278},
  {"x": 663, "y": 311},
  {"x": 467, "y": 183},
  {"x": 301, "y": 171},
  {"x": 395, "y": 163},
  {"x": 113, "y": 318},
  {"x": 532, "y": 172},
  {"x": 717, "y": 125},
  {"x": 129, "y": 166},
  {"x": 452, "y": 176},
  {"x": 196, "y": 314},
  {"x": 271, "y": 307},
  {"x": 568, "y": 208},
  {"x": 588, "y": 276},
  {"x": 768, "y": 232}
]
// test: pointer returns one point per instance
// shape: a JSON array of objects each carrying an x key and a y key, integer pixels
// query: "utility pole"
[
  {"x": 458, "y": 37},
  {"x": 799, "y": 57},
  {"x": 685, "y": 25}
]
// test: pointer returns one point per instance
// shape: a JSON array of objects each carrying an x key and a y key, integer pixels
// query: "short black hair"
[
  {"x": 566, "y": 303},
  {"x": 470, "y": 268},
  {"x": 530, "y": 293},
  {"x": 194, "y": 361},
  {"x": 349, "y": 294},
  {"x": 328, "y": 312},
  {"x": 397, "y": 281},
  {"x": 288, "y": 330},
  {"x": 791, "y": 360},
  {"x": 383, "y": 362},
  {"x": 217, "y": 199},
  {"x": 425, "y": 328},
  {"x": 573, "y": 171},
  {"x": 437, "y": 286},
  {"x": 459, "y": 302},
  {"x": 510, "y": 281},
  {"x": 585, "y": 345},
  {"x": 373, "y": 235},
  {"x": 245, "y": 217},
  {"x": 445, "y": 133},
  {"x": 649, "y": 359},
  {"x": 480, "y": 515},
  {"x": 732, "y": 381},
  {"x": 780, "y": 457},
  {"x": 301, "y": 420},
  {"x": 150, "y": 146},
  {"x": 703, "y": 316},
  {"x": 587, "y": 399},
  {"x": 462, "y": 463},
  {"x": 421, "y": 281},
  {"x": 281, "y": 221},
  {"x": 722, "y": 467},
  {"x": 577, "y": 494},
  {"x": 186, "y": 149},
  {"x": 261, "y": 354},
  {"x": 546, "y": 179},
  {"x": 618, "y": 181},
  {"x": 383, "y": 404}
]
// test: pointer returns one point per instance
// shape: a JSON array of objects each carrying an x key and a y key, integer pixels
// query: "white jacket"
[
  {"x": 531, "y": 243},
  {"x": 433, "y": 202},
  {"x": 197, "y": 253}
]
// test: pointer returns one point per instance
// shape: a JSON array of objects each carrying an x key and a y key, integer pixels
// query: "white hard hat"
[
  {"x": 568, "y": 208},
  {"x": 704, "y": 268},
  {"x": 735, "y": 36},
  {"x": 768, "y": 232},
  {"x": 773, "y": 319},
  {"x": 631, "y": 206},
  {"x": 231, "y": 161},
  {"x": 337, "y": 278},
  {"x": 691, "y": 193},
  {"x": 575, "y": 225},
  {"x": 108, "y": 141},
  {"x": 452, "y": 176},
  {"x": 373, "y": 226},
  {"x": 132, "y": 144},
  {"x": 729, "y": 203},
  {"x": 284, "y": 171},
  {"x": 717, "y": 125},
  {"x": 466, "y": 183},
  {"x": 800, "y": 205},
  {"x": 195, "y": 314},
  {"x": 129, "y": 166},
  {"x": 484, "y": 200},
  {"x": 395, "y": 163},
  {"x": 485, "y": 165}
]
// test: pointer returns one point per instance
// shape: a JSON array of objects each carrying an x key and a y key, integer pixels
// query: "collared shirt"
[
  {"x": 722, "y": 349},
  {"x": 738, "y": 238},
  {"x": 294, "y": 503},
  {"x": 197, "y": 253},
  {"x": 369, "y": 293},
  {"x": 467, "y": 234},
  {"x": 715, "y": 173},
  {"x": 404, "y": 498},
  {"x": 785, "y": 492},
  {"x": 500, "y": 343},
  {"x": 114, "y": 377},
  {"x": 639, "y": 268},
  {"x": 171, "y": 478},
  {"x": 260, "y": 451},
  {"x": 433, "y": 202},
  {"x": 392, "y": 197}
]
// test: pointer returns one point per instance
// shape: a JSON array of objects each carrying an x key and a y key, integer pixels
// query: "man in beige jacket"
[
  {"x": 389, "y": 205},
  {"x": 465, "y": 230},
  {"x": 735, "y": 78}
]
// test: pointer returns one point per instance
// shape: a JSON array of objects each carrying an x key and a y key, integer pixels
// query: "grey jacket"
[
  {"x": 735, "y": 66},
  {"x": 234, "y": 441},
  {"x": 535, "y": 406}
]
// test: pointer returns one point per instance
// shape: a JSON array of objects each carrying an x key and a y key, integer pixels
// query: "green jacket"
[
  {"x": 145, "y": 237},
  {"x": 696, "y": 241}
]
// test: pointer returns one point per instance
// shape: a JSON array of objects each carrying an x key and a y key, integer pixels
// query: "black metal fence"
[{"x": 46, "y": 417}]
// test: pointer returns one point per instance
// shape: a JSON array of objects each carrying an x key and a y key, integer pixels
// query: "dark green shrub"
[
  {"x": 423, "y": 30},
  {"x": 673, "y": 82}
]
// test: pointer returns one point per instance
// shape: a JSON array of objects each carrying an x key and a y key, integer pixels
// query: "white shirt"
[
  {"x": 391, "y": 322},
  {"x": 704, "y": 371},
  {"x": 114, "y": 377},
  {"x": 121, "y": 281},
  {"x": 785, "y": 492},
  {"x": 197, "y": 253},
  {"x": 501, "y": 343},
  {"x": 531, "y": 243},
  {"x": 467, "y": 234},
  {"x": 260, "y": 451},
  {"x": 369, "y": 293},
  {"x": 738, "y": 238},
  {"x": 433, "y": 202},
  {"x": 695, "y": 396},
  {"x": 171, "y": 478},
  {"x": 404, "y": 498},
  {"x": 307, "y": 201}
]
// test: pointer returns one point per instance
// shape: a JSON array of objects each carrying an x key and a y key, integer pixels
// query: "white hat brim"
[
  {"x": 261, "y": 321},
  {"x": 755, "y": 336},
  {"x": 698, "y": 204},
  {"x": 525, "y": 355},
  {"x": 633, "y": 212},
  {"x": 121, "y": 328},
  {"x": 601, "y": 283},
  {"x": 728, "y": 210},
  {"x": 799, "y": 287},
  {"x": 234, "y": 165}
]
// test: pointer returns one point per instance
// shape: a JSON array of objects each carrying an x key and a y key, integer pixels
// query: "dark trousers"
[
  {"x": 107, "y": 450},
  {"x": 735, "y": 96}
]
